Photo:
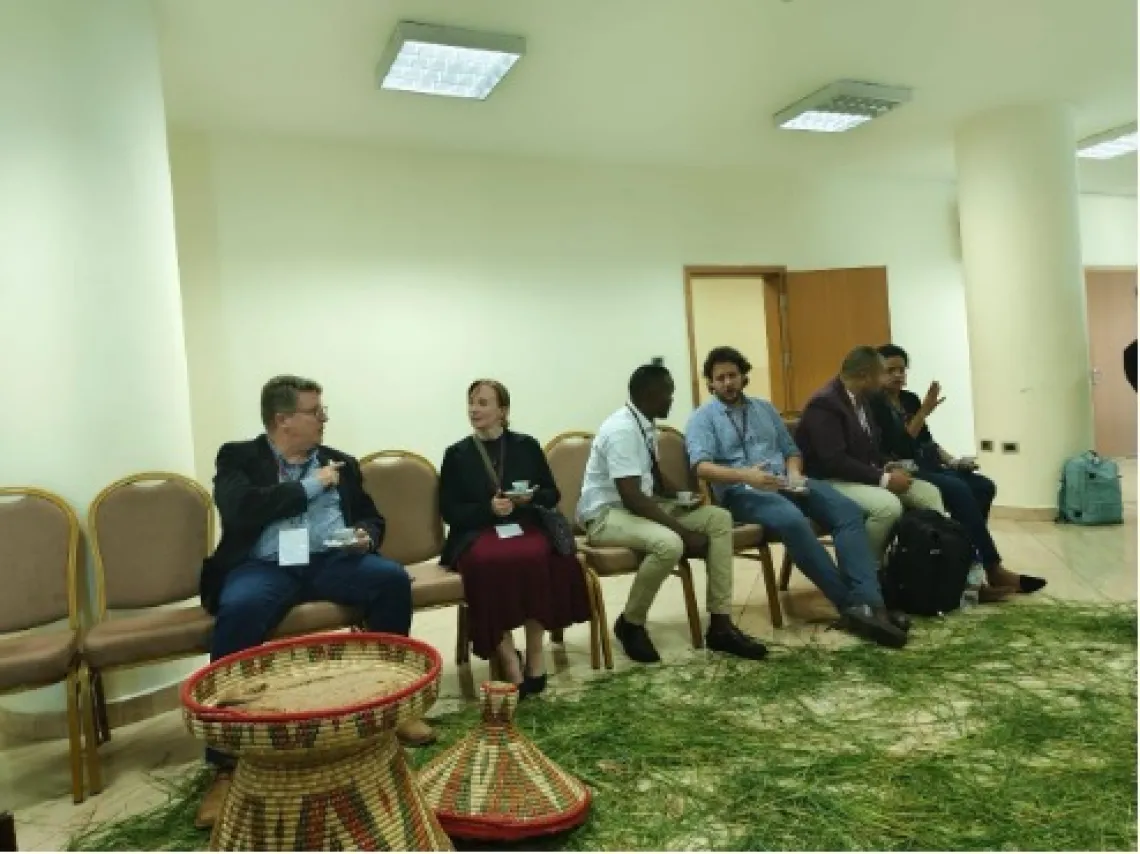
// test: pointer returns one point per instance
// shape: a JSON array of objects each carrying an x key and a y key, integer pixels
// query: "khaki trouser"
[
  {"x": 663, "y": 548},
  {"x": 883, "y": 508}
]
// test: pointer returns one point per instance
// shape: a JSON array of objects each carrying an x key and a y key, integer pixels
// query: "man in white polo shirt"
[{"x": 626, "y": 501}]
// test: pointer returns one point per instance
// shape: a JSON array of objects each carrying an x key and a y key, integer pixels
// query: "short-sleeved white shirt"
[{"x": 621, "y": 448}]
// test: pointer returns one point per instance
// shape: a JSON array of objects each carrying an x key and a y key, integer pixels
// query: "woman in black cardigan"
[
  {"x": 901, "y": 418},
  {"x": 496, "y": 539}
]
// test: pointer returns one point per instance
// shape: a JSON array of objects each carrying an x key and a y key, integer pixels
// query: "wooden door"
[
  {"x": 736, "y": 307},
  {"x": 827, "y": 313},
  {"x": 1112, "y": 327}
]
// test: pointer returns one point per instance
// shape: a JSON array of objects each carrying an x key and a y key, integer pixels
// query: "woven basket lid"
[{"x": 496, "y": 784}]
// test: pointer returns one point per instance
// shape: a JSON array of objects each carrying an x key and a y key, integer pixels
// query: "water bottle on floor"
[{"x": 974, "y": 579}]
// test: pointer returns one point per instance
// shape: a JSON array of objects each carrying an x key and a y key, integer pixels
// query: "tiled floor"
[{"x": 1092, "y": 564}]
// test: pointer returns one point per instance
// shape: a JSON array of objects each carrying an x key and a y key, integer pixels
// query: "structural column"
[
  {"x": 1025, "y": 298},
  {"x": 93, "y": 379}
]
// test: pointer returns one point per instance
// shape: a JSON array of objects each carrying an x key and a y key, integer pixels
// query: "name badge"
[
  {"x": 505, "y": 532},
  {"x": 293, "y": 547}
]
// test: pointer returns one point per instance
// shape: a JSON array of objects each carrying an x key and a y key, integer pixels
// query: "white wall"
[
  {"x": 1108, "y": 231},
  {"x": 395, "y": 278}
]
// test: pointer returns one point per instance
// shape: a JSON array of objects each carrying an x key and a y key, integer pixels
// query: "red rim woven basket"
[
  {"x": 319, "y": 779},
  {"x": 245, "y": 732},
  {"x": 497, "y": 785}
]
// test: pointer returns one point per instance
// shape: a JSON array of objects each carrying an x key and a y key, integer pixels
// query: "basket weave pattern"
[
  {"x": 496, "y": 784},
  {"x": 366, "y": 801},
  {"x": 320, "y": 779},
  {"x": 249, "y": 732}
]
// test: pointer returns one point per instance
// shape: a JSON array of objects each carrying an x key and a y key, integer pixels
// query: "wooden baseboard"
[
  {"x": 22, "y": 727},
  {"x": 1024, "y": 514}
]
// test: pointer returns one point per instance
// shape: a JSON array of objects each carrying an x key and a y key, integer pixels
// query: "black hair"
[
  {"x": 644, "y": 378},
  {"x": 891, "y": 351},
  {"x": 720, "y": 355}
]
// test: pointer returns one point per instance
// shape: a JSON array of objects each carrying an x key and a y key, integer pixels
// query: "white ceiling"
[{"x": 690, "y": 82}]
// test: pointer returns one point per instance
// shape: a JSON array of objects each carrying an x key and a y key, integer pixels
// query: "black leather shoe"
[
  {"x": 862, "y": 622},
  {"x": 735, "y": 642},
  {"x": 899, "y": 619},
  {"x": 635, "y": 641},
  {"x": 534, "y": 684}
]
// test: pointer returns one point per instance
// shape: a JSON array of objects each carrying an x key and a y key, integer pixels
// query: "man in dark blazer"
[
  {"x": 840, "y": 444},
  {"x": 297, "y": 526}
]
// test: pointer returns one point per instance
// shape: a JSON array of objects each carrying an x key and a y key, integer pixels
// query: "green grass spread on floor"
[{"x": 1010, "y": 728}]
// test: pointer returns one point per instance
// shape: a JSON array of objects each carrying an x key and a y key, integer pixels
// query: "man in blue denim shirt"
[{"x": 740, "y": 445}]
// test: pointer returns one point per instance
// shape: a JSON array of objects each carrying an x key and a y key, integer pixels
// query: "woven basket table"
[
  {"x": 497, "y": 785},
  {"x": 312, "y": 722}
]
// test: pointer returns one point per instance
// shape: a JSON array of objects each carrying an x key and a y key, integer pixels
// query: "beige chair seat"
[
  {"x": 161, "y": 633},
  {"x": 610, "y": 560},
  {"x": 310, "y": 617},
  {"x": 433, "y": 586},
  {"x": 37, "y": 659},
  {"x": 747, "y": 536}
]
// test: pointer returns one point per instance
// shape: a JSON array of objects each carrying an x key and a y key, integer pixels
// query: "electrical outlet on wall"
[
  {"x": 1010, "y": 448},
  {"x": 988, "y": 445},
  {"x": 657, "y": 360}
]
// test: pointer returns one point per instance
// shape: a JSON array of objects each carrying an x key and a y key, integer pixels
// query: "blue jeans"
[
  {"x": 968, "y": 497},
  {"x": 258, "y": 594},
  {"x": 856, "y": 580}
]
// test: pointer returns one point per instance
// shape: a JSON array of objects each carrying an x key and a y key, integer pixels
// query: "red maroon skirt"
[{"x": 509, "y": 581}]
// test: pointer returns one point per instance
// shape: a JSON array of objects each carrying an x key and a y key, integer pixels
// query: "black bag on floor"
[{"x": 927, "y": 563}]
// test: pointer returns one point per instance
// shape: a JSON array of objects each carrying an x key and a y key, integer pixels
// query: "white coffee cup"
[
  {"x": 685, "y": 497},
  {"x": 520, "y": 486}
]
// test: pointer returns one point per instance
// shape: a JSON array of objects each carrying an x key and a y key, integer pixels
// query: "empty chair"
[
  {"x": 39, "y": 558},
  {"x": 149, "y": 534}
]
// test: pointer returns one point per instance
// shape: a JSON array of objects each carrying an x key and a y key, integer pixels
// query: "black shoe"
[
  {"x": 733, "y": 641},
  {"x": 862, "y": 622},
  {"x": 1030, "y": 583},
  {"x": 635, "y": 641},
  {"x": 898, "y": 619},
  {"x": 534, "y": 684},
  {"x": 522, "y": 687}
]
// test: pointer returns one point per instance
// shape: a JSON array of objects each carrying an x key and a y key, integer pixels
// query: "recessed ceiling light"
[
  {"x": 841, "y": 106},
  {"x": 447, "y": 61},
  {"x": 1112, "y": 143}
]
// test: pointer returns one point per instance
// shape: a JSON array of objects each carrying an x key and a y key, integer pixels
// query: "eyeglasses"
[{"x": 319, "y": 412}]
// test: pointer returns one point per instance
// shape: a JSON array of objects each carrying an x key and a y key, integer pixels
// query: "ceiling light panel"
[
  {"x": 841, "y": 106},
  {"x": 448, "y": 61},
  {"x": 1113, "y": 143}
]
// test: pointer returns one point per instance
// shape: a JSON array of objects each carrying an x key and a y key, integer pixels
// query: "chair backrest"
[
  {"x": 39, "y": 554},
  {"x": 405, "y": 488},
  {"x": 673, "y": 457},
  {"x": 149, "y": 534},
  {"x": 568, "y": 454}
]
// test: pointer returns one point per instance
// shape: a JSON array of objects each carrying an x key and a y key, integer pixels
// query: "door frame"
[
  {"x": 775, "y": 287},
  {"x": 1085, "y": 270}
]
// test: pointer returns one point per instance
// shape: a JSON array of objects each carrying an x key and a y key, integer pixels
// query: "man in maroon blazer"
[{"x": 840, "y": 444}]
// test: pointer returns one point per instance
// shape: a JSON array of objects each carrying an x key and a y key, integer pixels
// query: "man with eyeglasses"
[{"x": 297, "y": 526}]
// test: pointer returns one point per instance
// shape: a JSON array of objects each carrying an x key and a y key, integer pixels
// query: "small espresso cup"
[{"x": 685, "y": 497}]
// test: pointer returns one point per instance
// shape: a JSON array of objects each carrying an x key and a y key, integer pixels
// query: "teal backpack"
[{"x": 1090, "y": 491}]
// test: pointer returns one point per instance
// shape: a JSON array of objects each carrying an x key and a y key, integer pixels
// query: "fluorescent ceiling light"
[
  {"x": 841, "y": 106},
  {"x": 1112, "y": 143},
  {"x": 447, "y": 61}
]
